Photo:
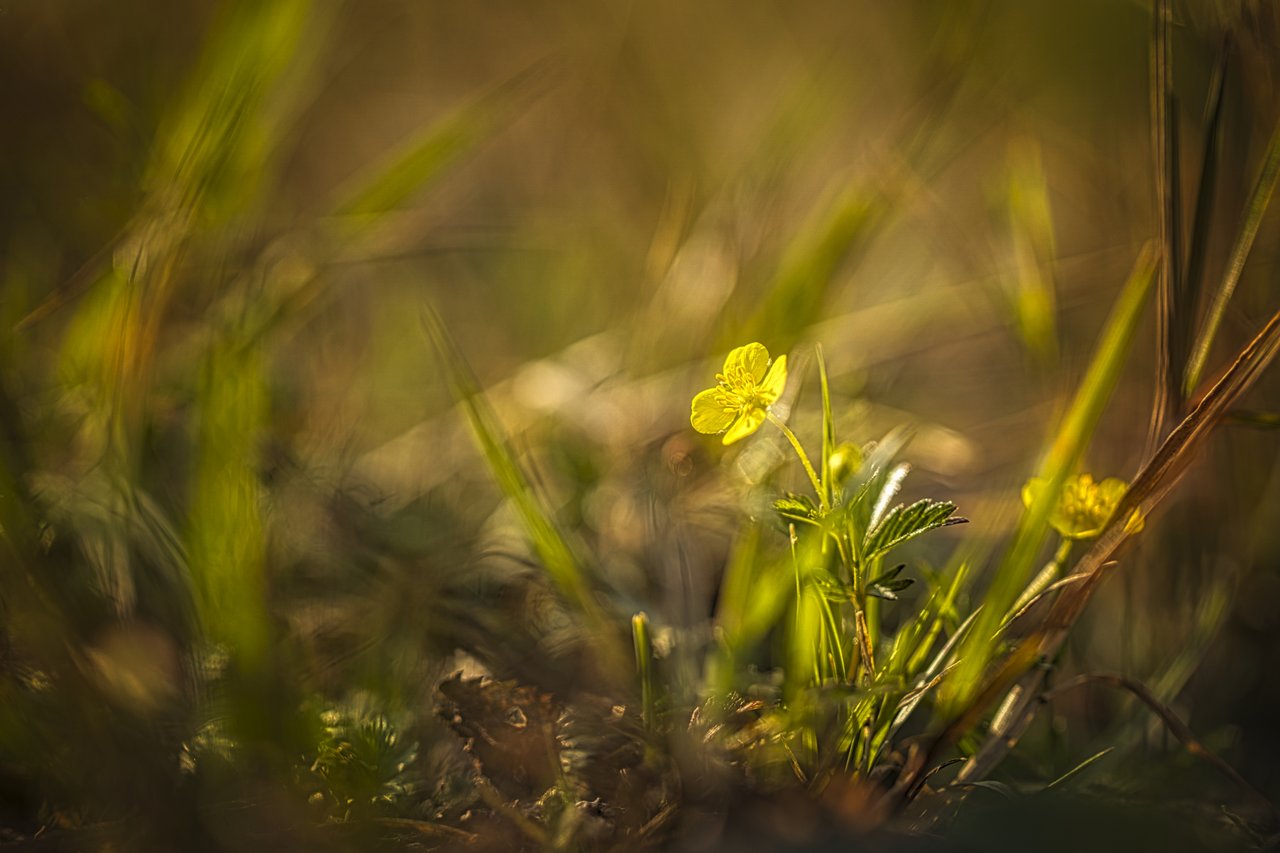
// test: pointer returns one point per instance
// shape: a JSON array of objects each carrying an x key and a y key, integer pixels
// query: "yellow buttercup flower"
[
  {"x": 740, "y": 401},
  {"x": 1085, "y": 507}
]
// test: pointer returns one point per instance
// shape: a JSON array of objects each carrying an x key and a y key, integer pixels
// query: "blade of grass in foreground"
[
  {"x": 1060, "y": 461},
  {"x": 549, "y": 542},
  {"x": 226, "y": 536}
]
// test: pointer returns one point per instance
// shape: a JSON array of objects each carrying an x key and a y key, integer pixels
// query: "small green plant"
[
  {"x": 363, "y": 764},
  {"x": 840, "y": 537}
]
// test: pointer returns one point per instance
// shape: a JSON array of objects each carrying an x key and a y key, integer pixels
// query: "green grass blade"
[
  {"x": 1171, "y": 301},
  {"x": 1059, "y": 462},
  {"x": 1198, "y": 240},
  {"x": 226, "y": 533},
  {"x": 828, "y": 432},
  {"x": 436, "y": 148},
  {"x": 1031, "y": 223},
  {"x": 558, "y": 559},
  {"x": 1079, "y": 768},
  {"x": 1259, "y": 199},
  {"x": 214, "y": 147},
  {"x": 809, "y": 265}
]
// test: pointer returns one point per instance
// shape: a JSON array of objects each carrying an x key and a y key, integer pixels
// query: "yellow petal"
[
  {"x": 708, "y": 417},
  {"x": 754, "y": 358},
  {"x": 745, "y": 425},
  {"x": 1135, "y": 523},
  {"x": 1110, "y": 491},
  {"x": 774, "y": 381},
  {"x": 1032, "y": 490}
]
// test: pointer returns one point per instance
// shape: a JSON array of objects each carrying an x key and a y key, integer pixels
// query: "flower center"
[
  {"x": 1084, "y": 503},
  {"x": 738, "y": 391}
]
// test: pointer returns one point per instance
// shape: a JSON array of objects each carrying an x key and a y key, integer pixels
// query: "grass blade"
[
  {"x": 1150, "y": 487},
  {"x": 809, "y": 265},
  {"x": 1171, "y": 299},
  {"x": 1198, "y": 240},
  {"x": 549, "y": 542},
  {"x": 226, "y": 533},
  {"x": 436, "y": 147},
  {"x": 828, "y": 432},
  {"x": 1032, "y": 294},
  {"x": 1059, "y": 463},
  {"x": 1259, "y": 199}
]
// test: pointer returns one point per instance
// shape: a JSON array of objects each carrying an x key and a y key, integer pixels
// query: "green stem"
[{"x": 804, "y": 458}]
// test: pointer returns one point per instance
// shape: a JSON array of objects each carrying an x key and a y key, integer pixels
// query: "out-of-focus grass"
[{"x": 248, "y": 530}]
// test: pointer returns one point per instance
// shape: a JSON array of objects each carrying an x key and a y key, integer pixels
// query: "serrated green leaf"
[{"x": 905, "y": 522}]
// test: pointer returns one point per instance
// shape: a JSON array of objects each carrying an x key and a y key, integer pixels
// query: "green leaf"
[
  {"x": 905, "y": 522},
  {"x": 794, "y": 507},
  {"x": 890, "y": 589},
  {"x": 890, "y": 575}
]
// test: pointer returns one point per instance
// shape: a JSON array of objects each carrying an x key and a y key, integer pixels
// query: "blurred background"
[{"x": 237, "y": 483}]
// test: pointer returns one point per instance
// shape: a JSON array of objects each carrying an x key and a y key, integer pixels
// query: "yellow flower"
[
  {"x": 1084, "y": 507},
  {"x": 740, "y": 402}
]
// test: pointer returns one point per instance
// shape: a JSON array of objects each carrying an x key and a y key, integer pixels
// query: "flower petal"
[
  {"x": 1032, "y": 490},
  {"x": 1110, "y": 491},
  {"x": 774, "y": 381},
  {"x": 745, "y": 425},
  {"x": 753, "y": 357},
  {"x": 709, "y": 417},
  {"x": 1135, "y": 522}
]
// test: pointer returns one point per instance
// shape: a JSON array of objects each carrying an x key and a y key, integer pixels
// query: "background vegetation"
[{"x": 270, "y": 268}]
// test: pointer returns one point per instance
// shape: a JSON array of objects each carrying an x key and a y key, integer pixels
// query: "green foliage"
[{"x": 904, "y": 523}]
